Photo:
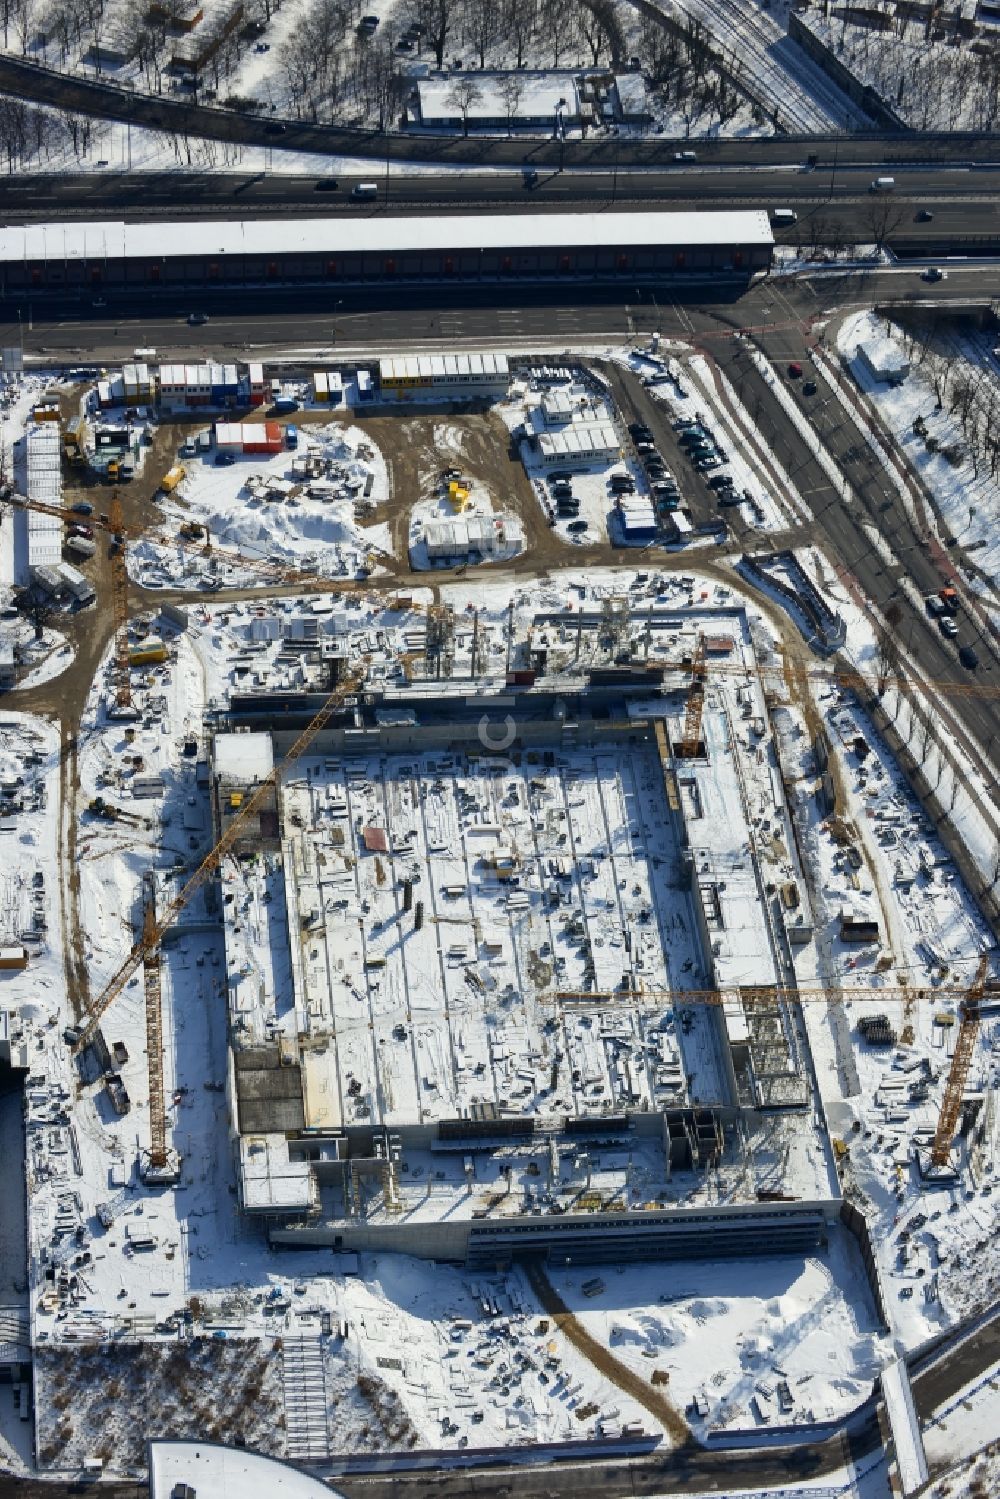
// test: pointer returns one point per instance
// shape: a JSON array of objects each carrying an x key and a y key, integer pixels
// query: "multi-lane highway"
[{"x": 833, "y": 204}]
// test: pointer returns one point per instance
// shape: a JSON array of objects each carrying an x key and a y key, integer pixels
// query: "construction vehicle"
[
  {"x": 98, "y": 807},
  {"x": 191, "y": 531},
  {"x": 958, "y": 1073},
  {"x": 172, "y": 478}
]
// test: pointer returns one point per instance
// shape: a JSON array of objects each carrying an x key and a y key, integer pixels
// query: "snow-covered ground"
[
  {"x": 476, "y": 501},
  {"x": 303, "y": 506},
  {"x": 797, "y": 1341},
  {"x": 967, "y": 501},
  {"x": 932, "y": 83}
]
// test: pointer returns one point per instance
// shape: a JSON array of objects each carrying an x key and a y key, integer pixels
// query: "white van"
[
  {"x": 883, "y": 185},
  {"x": 365, "y": 190}
]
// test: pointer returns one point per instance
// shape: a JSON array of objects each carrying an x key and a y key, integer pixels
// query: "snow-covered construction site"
[{"x": 438, "y": 1002}]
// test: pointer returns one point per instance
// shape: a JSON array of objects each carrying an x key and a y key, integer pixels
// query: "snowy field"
[{"x": 790, "y": 1341}]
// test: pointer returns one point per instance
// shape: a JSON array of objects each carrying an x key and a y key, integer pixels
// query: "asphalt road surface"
[{"x": 833, "y": 204}]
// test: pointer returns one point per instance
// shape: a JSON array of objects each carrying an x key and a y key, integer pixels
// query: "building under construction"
[{"x": 506, "y": 968}]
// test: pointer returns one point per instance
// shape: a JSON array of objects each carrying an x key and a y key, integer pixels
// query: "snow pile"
[{"x": 302, "y": 507}]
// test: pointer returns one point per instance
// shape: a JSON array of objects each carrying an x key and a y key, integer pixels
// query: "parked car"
[
  {"x": 560, "y": 476},
  {"x": 86, "y": 532},
  {"x": 968, "y": 657},
  {"x": 730, "y": 497},
  {"x": 704, "y": 464},
  {"x": 224, "y": 460},
  {"x": 686, "y": 424},
  {"x": 809, "y": 388},
  {"x": 576, "y": 526},
  {"x": 82, "y": 508},
  {"x": 720, "y": 481},
  {"x": 694, "y": 433},
  {"x": 935, "y": 606},
  {"x": 794, "y": 371}
]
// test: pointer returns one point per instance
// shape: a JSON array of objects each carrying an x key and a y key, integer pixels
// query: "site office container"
[{"x": 263, "y": 437}]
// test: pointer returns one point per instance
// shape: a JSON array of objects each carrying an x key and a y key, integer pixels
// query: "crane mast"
[{"x": 958, "y": 1072}]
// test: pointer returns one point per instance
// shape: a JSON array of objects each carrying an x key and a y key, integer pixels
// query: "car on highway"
[
  {"x": 809, "y": 388},
  {"x": 685, "y": 156},
  {"x": 197, "y": 319},
  {"x": 935, "y": 606},
  {"x": 794, "y": 371},
  {"x": 968, "y": 657},
  {"x": 327, "y": 185},
  {"x": 530, "y": 178},
  {"x": 82, "y": 508},
  {"x": 224, "y": 460},
  {"x": 934, "y": 273},
  {"x": 575, "y": 527},
  {"x": 948, "y": 626},
  {"x": 275, "y": 127}
]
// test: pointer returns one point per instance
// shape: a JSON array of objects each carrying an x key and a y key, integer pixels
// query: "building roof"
[
  {"x": 115, "y": 239},
  {"x": 216, "y": 1472},
  {"x": 244, "y": 757},
  {"x": 541, "y": 95},
  {"x": 442, "y": 366},
  {"x": 580, "y": 438}
]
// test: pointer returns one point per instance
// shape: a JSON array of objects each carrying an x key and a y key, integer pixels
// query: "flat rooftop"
[{"x": 115, "y": 239}]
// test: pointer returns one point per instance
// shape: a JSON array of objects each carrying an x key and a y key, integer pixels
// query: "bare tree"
[
  {"x": 436, "y": 17},
  {"x": 511, "y": 88},
  {"x": 481, "y": 24},
  {"x": 559, "y": 28},
  {"x": 886, "y": 660},
  {"x": 883, "y": 218},
  {"x": 520, "y": 20},
  {"x": 463, "y": 94}
]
